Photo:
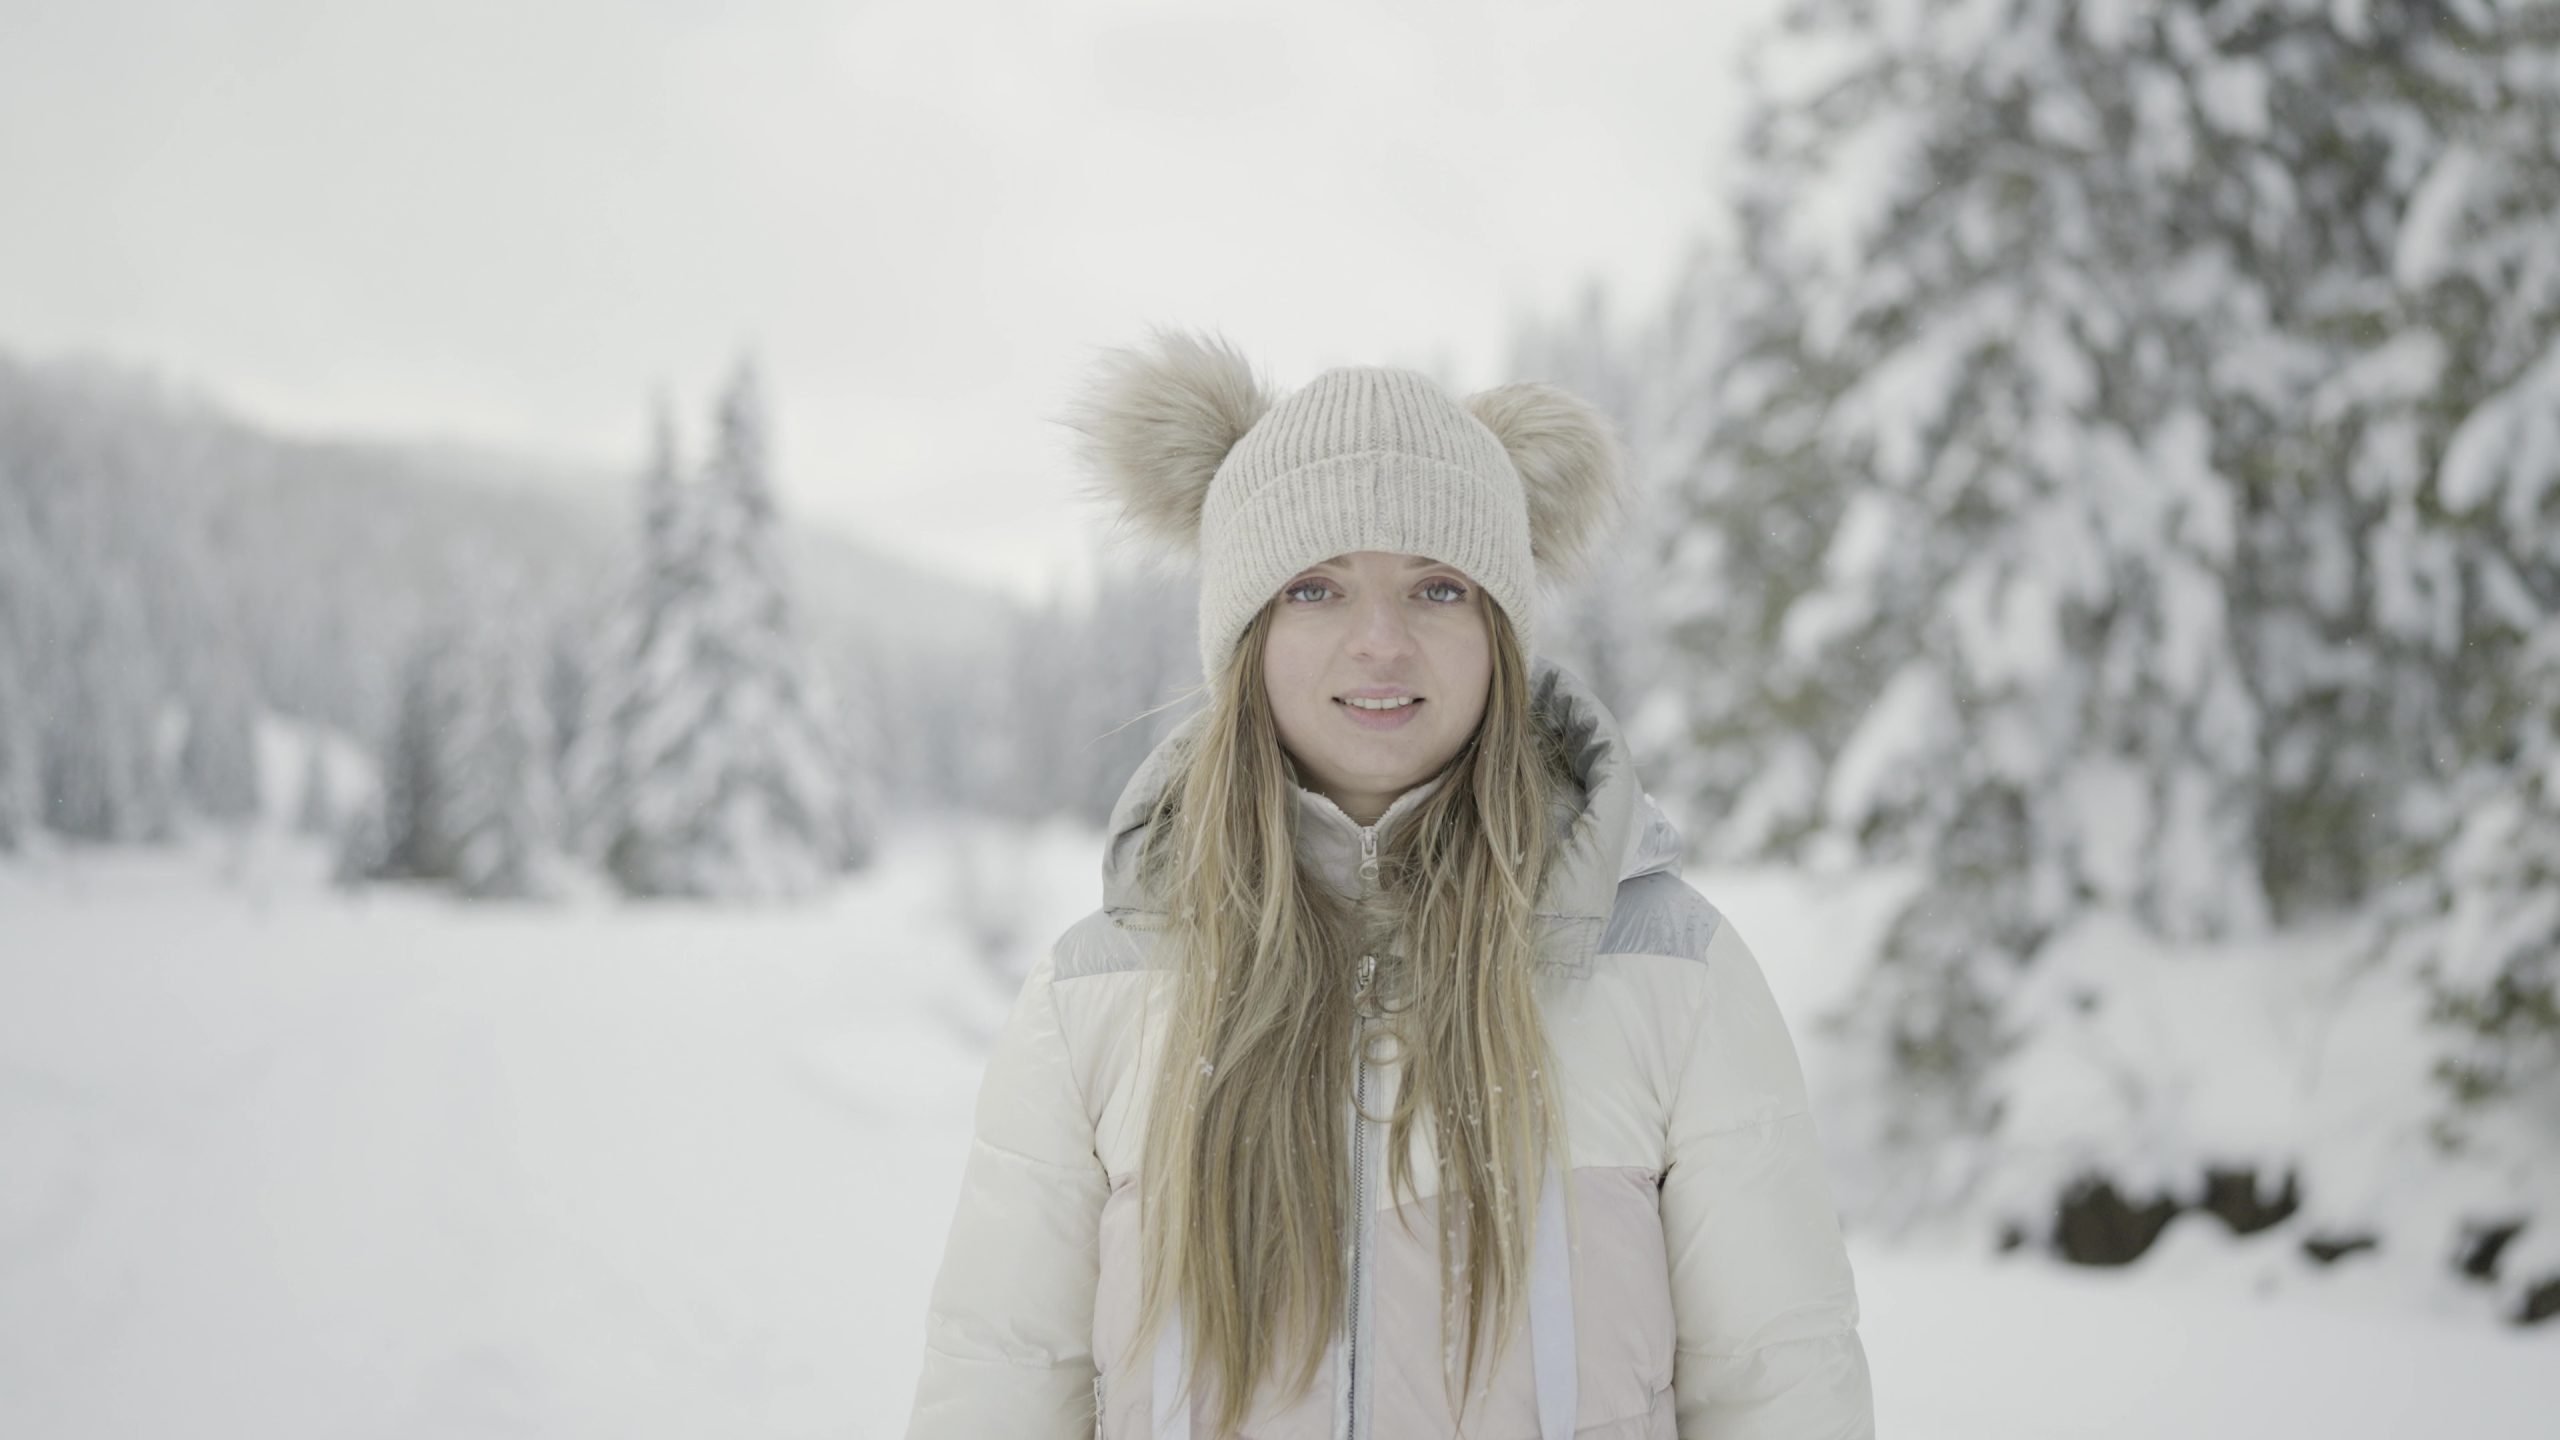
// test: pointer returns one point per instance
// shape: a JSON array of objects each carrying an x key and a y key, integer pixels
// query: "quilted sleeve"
[
  {"x": 1762, "y": 1299},
  {"x": 1008, "y": 1337}
]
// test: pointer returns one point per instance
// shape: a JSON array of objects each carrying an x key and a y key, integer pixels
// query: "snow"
[
  {"x": 2149, "y": 1063},
  {"x": 2111, "y": 800},
  {"x": 2399, "y": 371},
  {"x": 1901, "y": 396},
  {"x": 1852, "y": 565},
  {"x": 285, "y": 748},
  {"x": 2510, "y": 444},
  {"x": 2430, "y": 226},
  {"x": 2007, "y": 623},
  {"x": 1911, "y": 719},
  {"x": 287, "y": 1162},
  {"x": 2233, "y": 95},
  {"x": 1853, "y": 196},
  {"x": 1963, "y": 1349}
]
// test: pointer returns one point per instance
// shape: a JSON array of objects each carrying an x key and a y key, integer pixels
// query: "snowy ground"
[{"x": 280, "y": 1162}]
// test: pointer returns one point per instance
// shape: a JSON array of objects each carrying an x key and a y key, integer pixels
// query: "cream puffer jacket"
[{"x": 1695, "y": 1286}]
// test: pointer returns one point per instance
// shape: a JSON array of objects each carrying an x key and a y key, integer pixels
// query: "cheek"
[
  {"x": 1287, "y": 678},
  {"x": 1467, "y": 656}
]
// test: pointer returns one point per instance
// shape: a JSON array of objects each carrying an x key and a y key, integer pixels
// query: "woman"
[{"x": 1400, "y": 1087}]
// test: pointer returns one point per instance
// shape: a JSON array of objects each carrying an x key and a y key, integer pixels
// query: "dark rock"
[
  {"x": 2094, "y": 1224},
  {"x": 2540, "y": 1303},
  {"x": 2329, "y": 1249},
  {"x": 2233, "y": 1195},
  {"x": 2481, "y": 1245}
]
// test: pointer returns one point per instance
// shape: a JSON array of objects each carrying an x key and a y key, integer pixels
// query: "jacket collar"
[
  {"x": 1335, "y": 846},
  {"x": 1609, "y": 828}
]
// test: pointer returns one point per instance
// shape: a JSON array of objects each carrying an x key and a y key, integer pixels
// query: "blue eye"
[{"x": 1437, "y": 582}]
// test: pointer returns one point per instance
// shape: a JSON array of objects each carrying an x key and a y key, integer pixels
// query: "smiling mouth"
[{"x": 1378, "y": 707}]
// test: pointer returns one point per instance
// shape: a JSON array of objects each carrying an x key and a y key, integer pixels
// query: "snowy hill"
[{"x": 314, "y": 558}]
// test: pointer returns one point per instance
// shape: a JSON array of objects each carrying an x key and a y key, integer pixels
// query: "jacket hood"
[{"x": 1609, "y": 829}]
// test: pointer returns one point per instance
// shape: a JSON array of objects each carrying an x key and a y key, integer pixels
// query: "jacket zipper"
[
  {"x": 1360, "y": 1149},
  {"x": 1097, "y": 1405},
  {"x": 1359, "y": 1191}
]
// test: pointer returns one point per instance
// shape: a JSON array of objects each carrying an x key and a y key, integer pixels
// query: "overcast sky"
[{"x": 510, "y": 223}]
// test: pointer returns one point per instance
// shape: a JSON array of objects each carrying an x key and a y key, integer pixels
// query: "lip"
[{"x": 1395, "y": 719}]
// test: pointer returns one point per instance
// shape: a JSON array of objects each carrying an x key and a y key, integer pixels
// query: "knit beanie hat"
[{"x": 1512, "y": 485}]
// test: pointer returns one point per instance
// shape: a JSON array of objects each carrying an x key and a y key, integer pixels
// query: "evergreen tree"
[
  {"x": 499, "y": 755},
  {"x": 21, "y": 794},
  {"x": 728, "y": 778},
  {"x": 218, "y": 763},
  {"x": 1606, "y": 626},
  {"x": 862, "y": 798},
  {"x": 364, "y": 845},
  {"x": 634, "y": 659},
  {"x": 469, "y": 793},
  {"x": 20, "y": 811},
  {"x": 1985, "y": 516},
  {"x": 1751, "y": 508},
  {"x": 2449, "y": 426},
  {"x": 1114, "y": 685},
  {"x": 419, "y": 832},
  {"x": 106, "y": 767},
  {"x": 316, "y": 811},
  {"x": 2120, "y": 484}
]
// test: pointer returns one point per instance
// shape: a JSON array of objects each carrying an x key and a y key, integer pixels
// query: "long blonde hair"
[{"x": 1245, "y": 1185}]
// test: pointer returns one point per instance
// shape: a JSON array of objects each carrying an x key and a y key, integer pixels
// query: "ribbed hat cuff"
[{"x": 1374, "y": 500}]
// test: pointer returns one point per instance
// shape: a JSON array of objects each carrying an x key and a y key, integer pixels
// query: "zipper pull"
[
  {"x": 1368, "y": 974},
  {"x": 1369, "y": 853}
]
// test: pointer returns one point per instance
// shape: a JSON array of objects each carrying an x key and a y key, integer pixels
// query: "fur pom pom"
[
  {"x": 1571, "y": 462},
  {"x": 1154, "y": 425}
]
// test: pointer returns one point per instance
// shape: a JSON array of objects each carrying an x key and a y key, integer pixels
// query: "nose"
[{"x": 1380, "y": 628}]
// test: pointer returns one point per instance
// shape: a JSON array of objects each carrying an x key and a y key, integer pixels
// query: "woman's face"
[{"x": 1372, "y": 624}]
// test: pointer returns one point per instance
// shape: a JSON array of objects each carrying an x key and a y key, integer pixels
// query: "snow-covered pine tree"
[
  {"x": 1748, "y": 505},
  {"x": 1118, "y": 686},
  {"x": 418, "y": 833},
  {"x": 20, "y": 799},
  {"x": 732, "y": 774},
  {"x": 634, "y": 656},
  {"x": 567, "y": 669},
  {"x": 107, "y": 774},
  {"x": 2167, "y": 397},
  {"x": 862, "y": 802},
  {"x": 1029, "y": 693},
  {"x": 363, "y": 846},
  {"x": 1976, "y": 423},
  {"x": 469, "y": 789},
  {"x": 504, "y": 810},
  {"x": 218, "y": 762},
  {"x": 590, "y": 762},
  {"x": 2454, "y": 456},
  {"x": 21, "y": 794},
  {"x": 1606, "y": 625},
  {"x": 316, "y": 808},
  {"x": 944, "y": 742},
  {"x": 93, "y": 605}
]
